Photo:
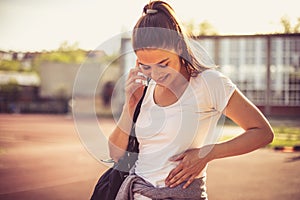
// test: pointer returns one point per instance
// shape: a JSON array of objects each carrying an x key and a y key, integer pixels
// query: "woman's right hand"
[{"x": 134, "y": 87}]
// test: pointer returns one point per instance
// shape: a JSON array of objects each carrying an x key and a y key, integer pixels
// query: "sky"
[{"x": 36, "y": 25}]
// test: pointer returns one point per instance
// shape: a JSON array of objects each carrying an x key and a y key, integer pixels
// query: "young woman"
[{"x": 177, "y": 125}]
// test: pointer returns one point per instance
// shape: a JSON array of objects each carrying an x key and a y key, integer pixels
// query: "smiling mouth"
[{"x": 162, "y": 79}]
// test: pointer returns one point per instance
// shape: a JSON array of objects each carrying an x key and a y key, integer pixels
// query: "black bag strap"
[
  {"x": 138, "y": 107},
  {"x": 129, "y": 158},
  {"x": 133, "y": 143}
]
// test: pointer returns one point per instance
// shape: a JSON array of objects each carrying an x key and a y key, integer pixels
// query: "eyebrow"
[{"x": 160, "y": 62}]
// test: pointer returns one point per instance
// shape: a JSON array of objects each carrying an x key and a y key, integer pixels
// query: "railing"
[{"x": 265, "y": 67}]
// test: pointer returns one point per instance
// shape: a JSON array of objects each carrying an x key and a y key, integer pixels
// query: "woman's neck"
[
  {"x": 180, "y": 83},
  {"x": 167, "y": 95}
]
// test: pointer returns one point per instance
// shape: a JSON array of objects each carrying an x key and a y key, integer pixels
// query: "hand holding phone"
[
  {"x": 135, "y": 85},
  {"x": 142, "y": 81}
]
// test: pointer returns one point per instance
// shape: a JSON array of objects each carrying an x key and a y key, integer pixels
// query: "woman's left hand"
[{"x": 192, "y": 162}]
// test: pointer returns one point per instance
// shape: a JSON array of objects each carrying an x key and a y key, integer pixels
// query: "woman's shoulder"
[
  {"x": 213, "y": 76},
  {"x": 207, "y": 75},
  {"x": 213, "y": 79},
  {"x": 211, "y": 73}
]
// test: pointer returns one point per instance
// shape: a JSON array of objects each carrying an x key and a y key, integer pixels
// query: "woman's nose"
[{"x": 155, "y": 73}]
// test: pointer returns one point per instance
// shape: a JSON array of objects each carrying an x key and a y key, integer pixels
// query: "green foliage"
[
  {"x": 66, "y": 53},
  {"x": 287, "y": 130},
  {"x": 287, "y": 25},
  {"x": 10, "y": 91},
  {"x": 10, "y": 65},
  {"x": 190, "y": 27},
  {"x": 297, "y": 26},
  {"x": 113, "y": 58},
  {"x": 207, "y": 29},
  {"x": 283, "y": 136},
  {"x": 286, "y": 136},
  {"x": 204, "y": 28}
]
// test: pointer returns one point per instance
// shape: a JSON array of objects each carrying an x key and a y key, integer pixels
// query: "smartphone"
[{"x": 144, "y": 82}]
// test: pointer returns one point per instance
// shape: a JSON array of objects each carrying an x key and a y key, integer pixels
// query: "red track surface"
[{"x": 42, "y": 157}]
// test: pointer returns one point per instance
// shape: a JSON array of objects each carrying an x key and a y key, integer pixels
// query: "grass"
[
  {"x": 283, "y": 136},
  {"x": 286, "y": 136}
]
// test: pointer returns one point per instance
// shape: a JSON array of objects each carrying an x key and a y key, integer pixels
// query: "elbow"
[
  {"x": 269, "y": 136},
  {"x": 117, "y": 144},
  {"x": 114, "y": 155},
  {"x": 115, "y": 152}
]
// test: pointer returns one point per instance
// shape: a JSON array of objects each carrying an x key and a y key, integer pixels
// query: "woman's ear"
[{"x": 136, "y": 63}]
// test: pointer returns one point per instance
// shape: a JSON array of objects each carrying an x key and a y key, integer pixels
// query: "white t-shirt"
[{"x": 191, "y": 122}]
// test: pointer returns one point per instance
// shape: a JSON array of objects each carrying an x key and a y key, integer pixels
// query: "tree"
[
  {"x": 207, "y": 28},
  {"x": 9, "y": 94},
  {"x": 288, "y": 27},
  {"x": 204, "y": 28},
  {"x": 297, "y": 26},
  {"x": 66, "y": 53},
  {"x": 10, "y": 65},
  {"x": 286, "y": 24},
  {"x": 190, "y": 27}
]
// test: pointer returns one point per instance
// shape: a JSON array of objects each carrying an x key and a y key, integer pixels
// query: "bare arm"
[
  {"x": 118, "y": 139},
  {"x": 258, "y": 133}
]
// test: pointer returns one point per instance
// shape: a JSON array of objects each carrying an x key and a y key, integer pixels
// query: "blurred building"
[
  {"x": 19, "y": 85},
  {"x": 49, "y": 88},
  {"x": 17, "y": 89},
  {"x": 82, "y": 84},
  {"x": 266, "y": 68}
]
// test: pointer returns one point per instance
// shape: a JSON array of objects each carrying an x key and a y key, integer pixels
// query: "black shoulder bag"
[{"x": 109, "y": 183}]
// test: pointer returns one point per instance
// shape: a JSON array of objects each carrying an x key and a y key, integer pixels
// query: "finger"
[
  {"x": 133, "y": 89},
  {"x": 175, "y": 178},
  {"x": 172, "y": 173},
  {"x": 134, "y": 71},
  {"x": 141, "y": 79},
  {"x": 177, "y": 157},
  {"x": 136, "y": 82},
  {"x": 182, "y": 175},
  {"x": 136, "y": 75},
  {"x": 179, "y": 178},
  {"x": 136, "y": 79},
  {"x": 191, "y": 179}
]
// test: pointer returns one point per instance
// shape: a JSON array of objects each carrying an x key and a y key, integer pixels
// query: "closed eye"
[
  {"x": 163, "y": 66},
  {"x": 147, "y": 67},
  {"x": 144, "y": 67}
]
